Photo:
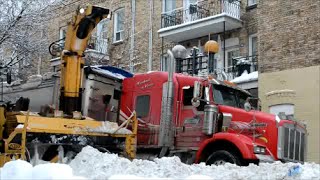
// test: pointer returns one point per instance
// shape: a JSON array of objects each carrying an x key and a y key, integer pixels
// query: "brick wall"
[
  {"x": 119, "y": 53},
  {"x": 288, "y": 34}
]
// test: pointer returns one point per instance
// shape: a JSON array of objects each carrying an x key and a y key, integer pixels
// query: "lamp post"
[
  {"x": 179, "y": 53},
  {"x": 211, "y": 47},
  {"x": 166, "y": 133}
]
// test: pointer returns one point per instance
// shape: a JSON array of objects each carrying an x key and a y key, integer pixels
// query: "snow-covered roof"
[
  {"x": 110, "y": 71},
  {"x": 245, "y": 77}
]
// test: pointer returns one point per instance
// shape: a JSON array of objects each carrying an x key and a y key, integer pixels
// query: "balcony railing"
[
  {"x": 200, "y": 10},
  {"x": 98, "y": 44},
  {"x": 201, "y": 64}
]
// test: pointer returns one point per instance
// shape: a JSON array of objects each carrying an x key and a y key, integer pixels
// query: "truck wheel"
[{"x": 221, "y": 157}]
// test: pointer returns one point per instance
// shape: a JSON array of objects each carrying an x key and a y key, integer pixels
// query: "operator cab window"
[
  {"x": 143, "y": 106},
  {"x": 225, "y": 96},
  {"x": 188, "y": 95},
  {"x": 228, "y": 96}
]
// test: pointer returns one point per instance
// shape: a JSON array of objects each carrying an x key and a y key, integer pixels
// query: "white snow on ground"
[
  {"x": 245, "y": 77},
  {"x": 92, "y": 164},
  {"x": 23, "y": 170}
]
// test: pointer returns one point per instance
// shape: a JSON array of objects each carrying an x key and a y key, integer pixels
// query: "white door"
[{"x": 189, "y": 14}]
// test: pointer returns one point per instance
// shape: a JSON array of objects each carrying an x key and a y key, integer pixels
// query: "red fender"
[{"x": 243, "y": 143}]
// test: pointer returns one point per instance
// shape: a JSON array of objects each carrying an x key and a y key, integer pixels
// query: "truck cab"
[{"x": 215, "y": 128}]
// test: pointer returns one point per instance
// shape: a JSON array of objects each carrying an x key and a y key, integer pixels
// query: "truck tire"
[{"x": 221, "y": 157}]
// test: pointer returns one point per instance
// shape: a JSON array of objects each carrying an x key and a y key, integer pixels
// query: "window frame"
[
  {"x": 164, "y": 4},
  {"x": 283, "y": 106},
  {"x": 251, "y": 50},
  {"x": 228, "y": 66},
  {"x": 250, "y": 3},
  {"x": 102, "y": 36},
  {"x": 115, "y": 25}
]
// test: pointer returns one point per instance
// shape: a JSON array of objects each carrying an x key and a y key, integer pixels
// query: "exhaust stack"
[{"x": 166, "y": 123}]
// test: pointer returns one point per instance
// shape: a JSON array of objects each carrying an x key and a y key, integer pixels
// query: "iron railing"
[
  {"x": 201, "y": 64},
  {"x": 241, "y": 64},
  {"x": 200, "y": 10},
  {"x": 98, "y": 44}
]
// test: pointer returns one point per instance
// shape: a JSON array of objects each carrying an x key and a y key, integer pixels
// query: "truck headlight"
[{"x": 259, "y": 150}]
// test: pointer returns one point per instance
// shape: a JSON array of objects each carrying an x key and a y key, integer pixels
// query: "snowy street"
[{"x": 92, "y": 164}]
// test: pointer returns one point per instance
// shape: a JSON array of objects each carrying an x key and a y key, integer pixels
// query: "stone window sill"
[
  {"x": 248, "y": 8},
  {"x": 117, "y": 42}
]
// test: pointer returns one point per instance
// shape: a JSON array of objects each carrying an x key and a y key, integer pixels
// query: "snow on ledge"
[{"x": 245, "y": 77}]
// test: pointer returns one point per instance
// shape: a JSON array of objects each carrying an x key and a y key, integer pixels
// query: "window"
[
  {"x": 284, "y": 111},
  {"x": 143, "y": 106},
  {"x": 118, "y": 25},
  {"x": 101, "y": 42},
  {"x": 230, "y": 55},
  {"x": 164, "y": 62},
  {"x": 228, "y": 96},
  {"x": 168, "y": 5},
  {"x": 187, "y": 96},
  {"x": 253, "y": 40},
  {"x": 252, "y": 2}
]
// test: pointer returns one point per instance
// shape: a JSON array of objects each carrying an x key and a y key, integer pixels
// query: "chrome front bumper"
[{"x": 265, "y": 158}]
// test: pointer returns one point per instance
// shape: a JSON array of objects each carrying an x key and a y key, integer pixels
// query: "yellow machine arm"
[{"x": 78, "y": 34}]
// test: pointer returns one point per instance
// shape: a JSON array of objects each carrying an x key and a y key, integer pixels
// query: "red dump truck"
[{"x": 209, "y": 122}]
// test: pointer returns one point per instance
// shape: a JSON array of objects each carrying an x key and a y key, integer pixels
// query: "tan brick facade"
[
  {"x": 288, "y": 34},
  {"x": 120, "y": 52},
  {"x": 289, "y": 60}
]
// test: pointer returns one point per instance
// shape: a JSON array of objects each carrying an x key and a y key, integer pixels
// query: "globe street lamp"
[{"x": 211, "y": 47}]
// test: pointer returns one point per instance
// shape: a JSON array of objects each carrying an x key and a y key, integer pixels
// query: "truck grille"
[{"x": 291, "y": 143}]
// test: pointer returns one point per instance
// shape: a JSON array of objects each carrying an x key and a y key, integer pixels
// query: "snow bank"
[
  {"x": 23, "y": 170},
  {"x": 245, "y": 77},
  {"x": 93, "y": 164},
  {"x": 110, "y": 127}
]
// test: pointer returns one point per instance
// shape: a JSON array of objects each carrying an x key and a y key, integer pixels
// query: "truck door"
[
  {"x": 189, "y": 132},
  {"x": 142, "y": 107}
]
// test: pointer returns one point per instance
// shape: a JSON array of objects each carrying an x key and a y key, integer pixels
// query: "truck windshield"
[{"x": 228, "y": 96}]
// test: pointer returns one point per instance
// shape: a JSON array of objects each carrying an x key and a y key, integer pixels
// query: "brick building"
[
  {"x": 289, "y": 62},
  {"x": 277, "y": 38}
]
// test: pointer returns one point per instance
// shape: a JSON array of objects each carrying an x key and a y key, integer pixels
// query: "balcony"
[
  {"x": 200, "y": 19},
  {"x": 200, "y": 64},
  {"x": 97, "y": 50}
]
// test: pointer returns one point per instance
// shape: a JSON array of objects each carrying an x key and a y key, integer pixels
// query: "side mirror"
[
  {"x": 197, "y": 89},
  {"x": 196, "y": 94},
  {"x": 247, "y": 106}
]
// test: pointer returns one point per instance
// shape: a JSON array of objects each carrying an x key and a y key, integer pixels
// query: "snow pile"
[
  {"x": 110, "y": 127},
  {"x": 23, "y": 170},
  {"x": 245, "y": 77},
  {"x": 93, "y": 164}
]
